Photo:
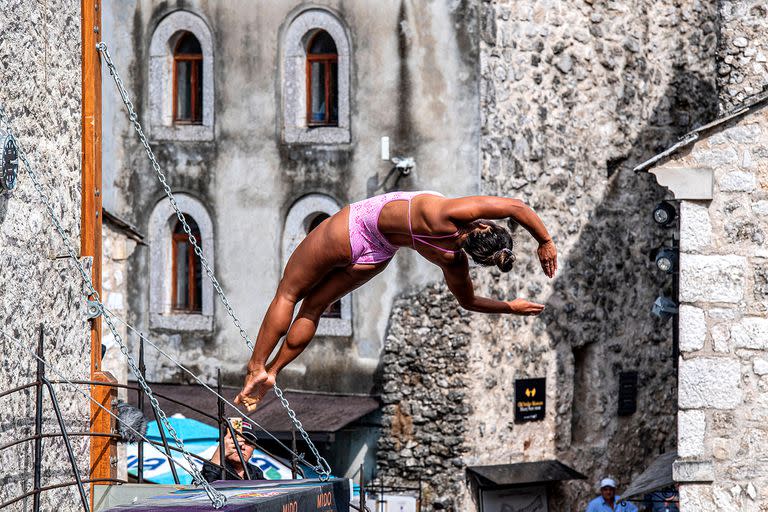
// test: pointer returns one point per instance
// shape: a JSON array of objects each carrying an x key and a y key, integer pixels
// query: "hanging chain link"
[
  {"x": 217, "y": 499},
  {"x": 323, "y": 468}
]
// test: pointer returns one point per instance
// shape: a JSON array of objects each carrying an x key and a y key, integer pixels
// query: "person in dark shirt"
[{"x": 232, "y": 464}]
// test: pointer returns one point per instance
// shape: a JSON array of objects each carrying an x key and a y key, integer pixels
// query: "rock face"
[
  {"x": 572, "y": 95},
  {"x": 742, "y": 69},
  {"x": 41, "y": 94},
  {"x": 425, "y": 396}
]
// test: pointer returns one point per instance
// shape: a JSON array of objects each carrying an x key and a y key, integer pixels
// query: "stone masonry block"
[
  {"x": 760, "y": 366},
  {"x": 696, "y": 497},
  {"x": 743, "y": 132},
  {"x": 721, "y": 338},
  {"x": 715, "y": 157},
  {"x": 709, "y": 382},
  {"x": 691, "y": 426},
  {"x": 693, "y": 328},
  {"x": 695, "y": 227},
  {"x": 712, "y": 278},
  {"x": 737, "y": 181},
  {"x": 750, "y": 332}
]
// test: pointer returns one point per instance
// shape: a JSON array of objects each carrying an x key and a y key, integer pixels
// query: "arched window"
[
  {"x": 186, "y": 275},
  {"x": 188, "y": 80},
  {"x": 180, "y": 297},
  {"x": 315, "y": 76},
  {"x": 181, "y": 87},
  {"x": 334, "y": 310},
  {"x": 322, "y": 80}
]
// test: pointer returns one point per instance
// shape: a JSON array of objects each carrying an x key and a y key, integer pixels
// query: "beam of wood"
[
  {"x": 103, "y": 449},
  {"x": 90, "y": 220}
]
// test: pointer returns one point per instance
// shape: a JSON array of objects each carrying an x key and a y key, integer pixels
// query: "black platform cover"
[
  {"x": 523, "y": 473},
  {"x": 251, "y": 496}
]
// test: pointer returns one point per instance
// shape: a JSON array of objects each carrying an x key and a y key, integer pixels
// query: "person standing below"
[{"x": 608, "y": 501}]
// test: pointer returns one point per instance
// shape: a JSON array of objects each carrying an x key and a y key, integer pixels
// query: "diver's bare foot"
[{"x": 257, "y": 384}]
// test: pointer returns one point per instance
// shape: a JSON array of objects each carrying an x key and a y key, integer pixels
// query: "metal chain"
[
  {"x": 299, "y": 457},
  {"x": 323, "y": 466},
  {"x": 217, "y": 499}
]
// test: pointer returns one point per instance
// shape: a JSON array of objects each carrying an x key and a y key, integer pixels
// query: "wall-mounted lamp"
[
  {"x": 665, "y": 258},
  {"x": 10, "y": 165},
  {"x": 664, "y": 214},
  {"x": 402, "y": 167},
  {"x": 664, "y": 308}
]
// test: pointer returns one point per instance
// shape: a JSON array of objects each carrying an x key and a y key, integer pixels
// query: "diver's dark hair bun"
[{"x": 504, "y": 259}]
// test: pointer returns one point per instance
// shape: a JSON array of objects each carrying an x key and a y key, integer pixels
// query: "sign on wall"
[{"x": 530, "y": 400}]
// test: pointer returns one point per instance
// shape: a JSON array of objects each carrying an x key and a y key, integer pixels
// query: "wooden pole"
[
  {"x": 90, "y": 219},
  {"x": 102, "y": 448}
]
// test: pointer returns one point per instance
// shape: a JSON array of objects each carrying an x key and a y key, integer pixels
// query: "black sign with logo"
[{"x": 530, "y": 400}]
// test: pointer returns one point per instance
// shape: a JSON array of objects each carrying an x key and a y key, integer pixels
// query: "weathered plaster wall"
[
  {"x": 572, "y": 93},
  {"x": 742, "y": 69},
  {"x": 413, "y": 78},
  {"x": 723, "y": 344},
  {"x": 40, "y": 92}
]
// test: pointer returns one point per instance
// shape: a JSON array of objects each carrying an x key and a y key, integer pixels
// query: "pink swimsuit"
[{"x": 368, "y": 244}]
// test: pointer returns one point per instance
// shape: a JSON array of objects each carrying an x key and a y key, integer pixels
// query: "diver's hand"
[
  {"x": 525, "y": 308},
  {"x": 257, "y": 384},
  {"x": 548, "y": 257}
]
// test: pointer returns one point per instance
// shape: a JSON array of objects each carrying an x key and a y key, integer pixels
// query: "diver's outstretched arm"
[
  {"x": 460, "y": 284},
  {"x": 464, "y": 210}
]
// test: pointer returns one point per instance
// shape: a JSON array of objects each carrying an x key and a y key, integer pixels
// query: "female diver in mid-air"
[{"x": 349, "y": 248}]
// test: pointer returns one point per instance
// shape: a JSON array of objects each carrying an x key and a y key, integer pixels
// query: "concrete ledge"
[
  {"x": 686, "y": 182},
  {"x": 693, "y": 471}
]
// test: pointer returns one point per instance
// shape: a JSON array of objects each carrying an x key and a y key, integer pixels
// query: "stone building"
[
  {"x": 719, "y": 174},
  {"x": 572, "y": 95},
  {"x": 39, "y": 287},
  {"x": 551, "y": 101}
]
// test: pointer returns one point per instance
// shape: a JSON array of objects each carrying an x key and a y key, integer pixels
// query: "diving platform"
[{"x": 242, "y": 496}]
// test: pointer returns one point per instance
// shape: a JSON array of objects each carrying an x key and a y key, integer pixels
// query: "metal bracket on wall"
[
  {"x": 10, "y": 165},
  {"x": 93, "y": 310}
]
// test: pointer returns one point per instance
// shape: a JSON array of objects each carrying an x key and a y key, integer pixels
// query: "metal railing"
[
  {"x": 220, "y": 419},
  {"x": 42, "y": 381}
]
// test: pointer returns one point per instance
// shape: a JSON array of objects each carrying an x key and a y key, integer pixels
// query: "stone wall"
[
  {"x": 425, "y": 399},
  {"x": 722, "y": 429},
  {"x": 742, "y": 69},
  {"x": 117, "y": 250},
  {"x": 40, "y": 65},
  {"x": 572, "y": 94}
]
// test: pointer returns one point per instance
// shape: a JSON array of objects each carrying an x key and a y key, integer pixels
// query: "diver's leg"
[{"x": 336, "y": 285}]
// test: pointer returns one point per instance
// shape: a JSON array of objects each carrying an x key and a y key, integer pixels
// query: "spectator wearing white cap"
[{"x": 608, "y": 501}]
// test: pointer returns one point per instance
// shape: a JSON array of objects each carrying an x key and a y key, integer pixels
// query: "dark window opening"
[
  {"x": 322, "y": 80},
  {"x": 334, "y": 310},
  {"x": 186, "y": 289},
  {"x": 627, "y": 393},
  {"x": 188, "y": 80}
]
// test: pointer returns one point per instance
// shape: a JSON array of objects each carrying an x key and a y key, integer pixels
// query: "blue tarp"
[{"x": 199, "y": 439}]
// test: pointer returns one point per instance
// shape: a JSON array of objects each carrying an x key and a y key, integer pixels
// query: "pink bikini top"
[{"x": 423, "y": 238}]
